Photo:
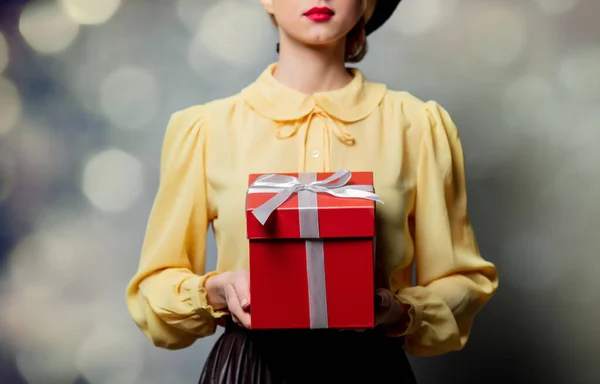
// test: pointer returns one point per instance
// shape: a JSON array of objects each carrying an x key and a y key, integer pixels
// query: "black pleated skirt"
[{"x": 242, "y": 356}]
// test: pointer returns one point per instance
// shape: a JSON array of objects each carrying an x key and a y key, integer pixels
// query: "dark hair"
[{"x": 356, "y": 42}]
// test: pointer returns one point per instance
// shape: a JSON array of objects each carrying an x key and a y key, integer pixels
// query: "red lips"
[{"x": 319, "y": 14}]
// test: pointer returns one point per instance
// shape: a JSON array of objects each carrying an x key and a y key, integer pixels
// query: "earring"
[{"x": 277, "y": 48}]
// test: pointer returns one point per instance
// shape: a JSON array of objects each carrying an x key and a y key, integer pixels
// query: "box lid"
[{"x": 334, "y": 217}]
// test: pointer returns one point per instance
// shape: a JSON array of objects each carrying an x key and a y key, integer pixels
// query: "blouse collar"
[{"x": 351, "y": 103}]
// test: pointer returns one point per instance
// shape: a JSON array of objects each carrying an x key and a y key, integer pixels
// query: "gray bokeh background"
[{"x": 86, "y": 88}]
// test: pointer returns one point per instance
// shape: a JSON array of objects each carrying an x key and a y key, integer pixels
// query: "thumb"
[{"x": 384, "y": 298}]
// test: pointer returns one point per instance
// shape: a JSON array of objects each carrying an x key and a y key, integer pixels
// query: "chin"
[
  {"x": 321, "y": 37},
  {"x": 319, "y": 42}
]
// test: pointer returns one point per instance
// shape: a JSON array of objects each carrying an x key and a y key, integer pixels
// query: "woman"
[{"x": 308, "y": 112}]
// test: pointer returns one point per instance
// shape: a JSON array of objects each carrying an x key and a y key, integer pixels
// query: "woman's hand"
[
  {"x": 231, "y": 290},
  {"x": 388, "y": 310}
]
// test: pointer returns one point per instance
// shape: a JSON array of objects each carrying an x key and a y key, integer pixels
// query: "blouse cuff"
[
  {"x": 199, "y": 296},
  {"x": 415, "y": 315}
]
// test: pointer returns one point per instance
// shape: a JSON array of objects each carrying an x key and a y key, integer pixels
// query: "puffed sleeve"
[
  {"x": 453, "y": 281},
  {"x": 166, "y": 297}
]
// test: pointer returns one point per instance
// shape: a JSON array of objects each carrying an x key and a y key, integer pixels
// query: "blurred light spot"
[
  {"x": 236, "y": 46},
  {"x": 47, "y": 366},
  {"x": 532, "y": 262},
  {"x": 557, "y": 6},
  {"x": 41, "y": 155},
  {"x": 110, "y": 356},
  {"x": 579, "y": 168},
  {"x": 7, "y": 175},
  {"x": 190, "y": 13},
  {"x": 497, "y": 32},
  {"x": 129, "y": 97},
  {"x": 10, "y": 106},
  {"x": 524, "y": 99},
  {"x": 113, "y": 180},
  {"x": 23, "y": 260},
  {"x": 46, "y": 27},
  {"x": 91, "y": 11},
  {"x": 579, "y": 73},
  {"x": 64, "y": 262},
  {"x": 417, "y": 17},
  {"x": 584, "y": 135},
  {"x": 207, "y": 66},
  {"x": 3, "y": 53},
  {"x": 42, "y": 312},
  {"x": 57, "y": 249}
]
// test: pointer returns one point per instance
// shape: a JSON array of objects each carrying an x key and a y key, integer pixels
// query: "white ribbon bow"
[{"x": 285, "y": 186}]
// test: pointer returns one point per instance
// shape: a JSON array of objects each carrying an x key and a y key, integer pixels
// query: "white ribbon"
[{"x": 286, "y": 186}]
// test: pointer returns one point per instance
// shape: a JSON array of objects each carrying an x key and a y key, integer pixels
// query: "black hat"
[{"x": 383, "y": 10}]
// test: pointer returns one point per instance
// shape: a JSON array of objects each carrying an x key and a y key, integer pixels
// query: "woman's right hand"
[{"x": 231, "y": 290}]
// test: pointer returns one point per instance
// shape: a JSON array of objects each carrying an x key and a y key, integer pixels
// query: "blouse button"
[{"x": 315, "y": 154}]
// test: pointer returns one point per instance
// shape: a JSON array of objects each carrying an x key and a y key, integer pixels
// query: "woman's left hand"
[{"x": 388, "y": 310}]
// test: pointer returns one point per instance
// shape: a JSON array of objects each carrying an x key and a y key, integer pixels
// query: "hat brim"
[{"x": 383, "y": 11}]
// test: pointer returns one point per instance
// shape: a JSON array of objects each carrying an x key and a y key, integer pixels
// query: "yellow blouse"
[{"x": 415, "y": 153}]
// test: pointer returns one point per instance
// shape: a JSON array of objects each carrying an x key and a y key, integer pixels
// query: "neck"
[{"x": 311, "y": 69}]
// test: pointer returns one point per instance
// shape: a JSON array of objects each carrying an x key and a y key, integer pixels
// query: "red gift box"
[{"x": 311, "y": 238}]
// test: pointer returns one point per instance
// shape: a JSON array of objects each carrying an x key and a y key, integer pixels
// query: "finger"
[
  {"x": 233, "y": 303},
  {"x": 391, "y": 315},
  {"x": 244, "y": 303},
  {"x": 383, "y": 316},
  {"x": 235, "y": 316},
  {"x": 242, "y": 288},
  {"x": 244, "y": 318},
  {"x": 378, "y": 301},
  {"x": 383, "y": 297}
]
